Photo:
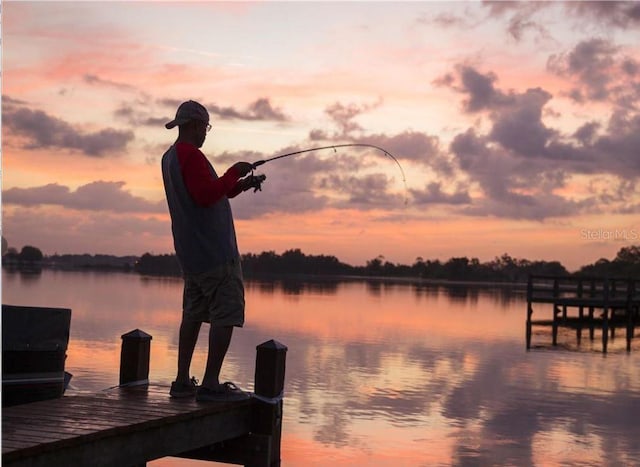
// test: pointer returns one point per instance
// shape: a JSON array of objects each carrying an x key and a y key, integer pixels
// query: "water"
[{"x": 378, "y": 374}]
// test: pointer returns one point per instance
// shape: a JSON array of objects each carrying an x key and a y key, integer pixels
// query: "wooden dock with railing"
[
  {"x": 138, "y": 422},
  {"x": 584, "y": 303}
]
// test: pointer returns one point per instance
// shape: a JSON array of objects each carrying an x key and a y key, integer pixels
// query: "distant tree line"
[
  {"x": 158, "y": 265},
  {"x": 90, "y": 262},
  {"x": 31, "y": 259},
  {"x": 28, "y": 259},
  {"x": 625, "y": 264},
  {"x": 294, "y": 262},
  {"x": 501, "y": 269}
]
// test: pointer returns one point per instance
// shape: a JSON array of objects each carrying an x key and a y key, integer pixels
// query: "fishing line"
[{"x": 334, "y": 147}]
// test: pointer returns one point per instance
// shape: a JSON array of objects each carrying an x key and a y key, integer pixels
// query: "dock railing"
[{"x": 581, "y": 302}]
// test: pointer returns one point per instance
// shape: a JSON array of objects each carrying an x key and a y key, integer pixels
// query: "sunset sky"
[{"x": 517, "y": 125}]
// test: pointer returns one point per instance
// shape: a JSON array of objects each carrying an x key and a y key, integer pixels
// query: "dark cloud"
[
  {"x": 618, "y": 149},
  {"x": 624, "y": 15},
  {"x": 43, "y": 131},
  {"x": 538, "y": 206},
  {"x": 521, "y": 18},
  {"x": 514, "y": 186},
  {"x": 8, "y": 100},
  {"x": 343, "y": 115},
  {"x": 480, "y": 88},
  {"x": 409, "y": 145},
  {"x": 519, "y": 25},
  {"x": 94, "y": 196},
  {"x": 494, "y": 169},
  {"x": 433, "y": 194},
  {"x": 587, "y": 133},
  {"x": 143, "y": 113},
  {"x": 599, "y": 71},
  {"x": 446, "y": 80},
  {"x": 630, "y": 67},
  {"x": 521, "y": 163},
  {"x": 259, "y": 110},
  {"x": 370, "y": 191},
  {"x": 519, "y": 127},
  {"x": 527, "y": 19},
  {"x": 262, "y": 109},
  {"x": 139, "y": 115},
  {"x": 500, "y": 8},
  {"x": 446, "y": 20},
  {"x": 591, "y": 62},
  {"x": 95, "y": 80},
  {"x": 518, "y": 124}
]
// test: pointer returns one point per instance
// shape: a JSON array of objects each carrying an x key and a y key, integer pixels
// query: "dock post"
[
  {"x": 134, "y": 357},
  {"x": 554, "y": 325},
  {"x": 269, "y": 389},
  {"x": 556, "y": 312},
  {"x": 592, "y": 293},
  {"x": 605, "y": 313},
  {"x": 629, "y": 312},
  {"x": 580, "y": 314},
  {"x": 529, "y": 310}
]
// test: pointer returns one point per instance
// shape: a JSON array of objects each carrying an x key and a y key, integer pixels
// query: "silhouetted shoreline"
[{"x": 296, "y": 265}]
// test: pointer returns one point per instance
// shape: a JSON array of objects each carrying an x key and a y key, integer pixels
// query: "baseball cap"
[{"x": 189, "y": 110}]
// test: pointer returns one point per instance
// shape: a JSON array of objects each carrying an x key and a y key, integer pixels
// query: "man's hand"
[{"x": 243, "y": 168}]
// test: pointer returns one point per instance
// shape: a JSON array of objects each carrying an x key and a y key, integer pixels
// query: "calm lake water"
[{"x": 378, "y": 374}]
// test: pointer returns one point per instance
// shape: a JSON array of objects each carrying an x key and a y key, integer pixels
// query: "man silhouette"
[{"x": 205, "y": 244}]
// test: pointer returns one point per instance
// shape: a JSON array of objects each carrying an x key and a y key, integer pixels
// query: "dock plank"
[{"x": 121, "y": 427}]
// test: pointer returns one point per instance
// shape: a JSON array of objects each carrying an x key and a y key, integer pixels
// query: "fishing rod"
[{"x": 335, "y": 150}]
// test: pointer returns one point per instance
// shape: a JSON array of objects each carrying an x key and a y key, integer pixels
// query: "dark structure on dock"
[
  {"x": 584, "y": 303},
  {"x": 139, "y": 422},
  {"x": 34, "y": 346}
]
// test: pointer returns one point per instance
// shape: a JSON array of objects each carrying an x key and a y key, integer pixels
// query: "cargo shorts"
[{"x": 215, "y": 297}]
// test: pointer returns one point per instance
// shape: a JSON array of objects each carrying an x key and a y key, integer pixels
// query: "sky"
[{"x": 516, "y": 124}]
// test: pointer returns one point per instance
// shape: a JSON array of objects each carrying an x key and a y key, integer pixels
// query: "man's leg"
[
  {"x": 219, "y": 340},
  {"x": 188, "y": 337}
]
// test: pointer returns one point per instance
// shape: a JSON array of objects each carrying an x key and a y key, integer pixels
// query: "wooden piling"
[
  {"x": 134, "y": 357},
  {"x": 269, "y": 379}
]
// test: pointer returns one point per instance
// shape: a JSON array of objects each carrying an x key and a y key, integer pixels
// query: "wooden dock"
[
  {"x": 584, "y": 303},
  {"x": 131, "y": 425}
]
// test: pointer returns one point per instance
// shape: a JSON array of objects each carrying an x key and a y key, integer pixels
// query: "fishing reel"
[{"x": 255, "y": 181}]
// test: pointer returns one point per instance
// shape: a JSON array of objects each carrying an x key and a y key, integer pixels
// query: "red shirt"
[{"x": 205, "y": 188}]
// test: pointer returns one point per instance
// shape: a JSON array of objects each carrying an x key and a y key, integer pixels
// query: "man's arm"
[{"x": 201, "y": 184}]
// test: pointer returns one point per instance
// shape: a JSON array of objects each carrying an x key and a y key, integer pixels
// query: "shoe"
[
  {"x": 180, "y": 390},
  {"x": 226, "y": 392}
]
